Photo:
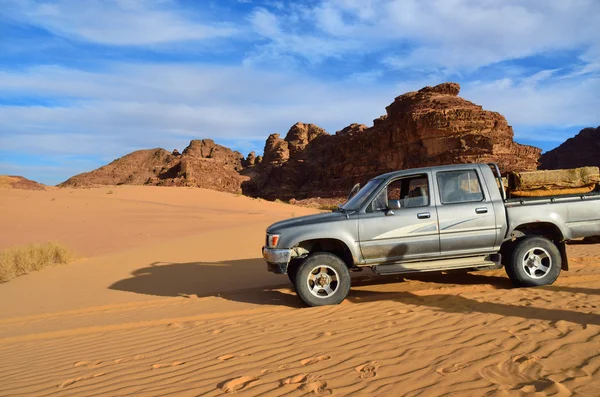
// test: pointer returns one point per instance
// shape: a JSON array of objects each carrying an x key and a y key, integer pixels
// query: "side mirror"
[
  {"x": 354, "y": 190},
  {"x": 394, "y": 204}
]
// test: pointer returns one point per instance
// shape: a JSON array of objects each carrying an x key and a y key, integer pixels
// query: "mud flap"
[{"x": 562, "y": 247}]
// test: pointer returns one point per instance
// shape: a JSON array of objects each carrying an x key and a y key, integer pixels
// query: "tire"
[
  {"x": 534, "y": 261},
  {"x": 322, "y": 279}
]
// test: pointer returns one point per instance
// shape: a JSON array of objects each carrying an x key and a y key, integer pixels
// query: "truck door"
[
  {"x": 466, "y": 216},
  {"x": 401, "y": 222}
]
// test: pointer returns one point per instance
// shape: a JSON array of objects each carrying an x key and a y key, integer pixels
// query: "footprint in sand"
[
  {"x": 69, "y": 382},
  {"x": 87, "y": 363},
  {"x": 519, "y": 369},
  {"x": 165, "y": 365},
  {"x": 367, "y": 370},
  {"x": 451, "y": 369},
  {"x": 293, "y": 380},
  {"x": 297, "y": 379},
  {"x": 314, "y": 360},
  {"x": 319, "y": 387},
  {"x": 123, "y": 359},
  {"x": 236, "y": 384}
]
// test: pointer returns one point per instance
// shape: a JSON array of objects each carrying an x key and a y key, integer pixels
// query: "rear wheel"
[
  {"x": 534, "y": 261},
  {"x": 322, "y": 279}
]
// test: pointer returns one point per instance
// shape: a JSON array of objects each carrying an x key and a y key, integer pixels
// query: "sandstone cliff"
[
  {"x": 202, "y": 164},
  {"x": 429, "y": 127},
  {"x": 580, "y": 151}
]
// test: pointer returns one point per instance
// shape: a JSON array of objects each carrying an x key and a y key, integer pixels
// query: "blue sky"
[{"x": 84, "y": 82}]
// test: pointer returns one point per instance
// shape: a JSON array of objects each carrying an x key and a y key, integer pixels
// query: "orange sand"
[{"x": 171, "y": 298}]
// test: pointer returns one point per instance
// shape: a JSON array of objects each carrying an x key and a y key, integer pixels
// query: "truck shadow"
[
  {"x": 237, "y": 277},
  {"x": 461, "y": 304},
  {"x": 247, "y": 281}
]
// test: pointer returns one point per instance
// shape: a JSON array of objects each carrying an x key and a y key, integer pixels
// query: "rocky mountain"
[
  {"x": 429, "y": 127},
  {"x": 202, "y": 164},
  {"x": 581, "y": 150},
  {"x": 19, "y": 182}
]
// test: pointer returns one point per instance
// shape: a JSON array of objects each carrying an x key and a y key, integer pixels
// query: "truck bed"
[
  {"x": 576, "y": 215},
  {"x": 511, "y": 202}
]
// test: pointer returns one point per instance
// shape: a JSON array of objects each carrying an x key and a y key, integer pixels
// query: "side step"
[{"x": 487, "y": 262}]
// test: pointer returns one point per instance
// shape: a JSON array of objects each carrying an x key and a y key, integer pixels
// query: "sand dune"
[{"x": 192, "y": 311}]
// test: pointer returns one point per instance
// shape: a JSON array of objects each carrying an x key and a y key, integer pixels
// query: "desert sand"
[{"x": 169, "y": 296}]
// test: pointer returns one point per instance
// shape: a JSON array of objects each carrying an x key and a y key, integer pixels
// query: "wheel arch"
[
  {"x": 548, "y": 230},
  {"x": 331, "y": 245}
]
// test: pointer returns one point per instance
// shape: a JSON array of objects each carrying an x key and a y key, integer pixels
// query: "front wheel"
[
  {"x": 322, "y": 279},
  {"x": 534, "y": 261}
]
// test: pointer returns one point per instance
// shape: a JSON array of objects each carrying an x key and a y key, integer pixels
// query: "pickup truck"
[{"x": 430, "y": 219}]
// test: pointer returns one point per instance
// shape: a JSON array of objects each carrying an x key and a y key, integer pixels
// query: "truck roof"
[{"x": 446, "y": 167}]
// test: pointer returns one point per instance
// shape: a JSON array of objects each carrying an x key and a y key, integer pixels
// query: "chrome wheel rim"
[
  {"x": 323, "y": 281},
  {"x": 536, "y": 262}
]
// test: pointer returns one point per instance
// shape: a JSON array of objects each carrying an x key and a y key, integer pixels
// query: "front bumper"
[{"x": 277, "y": 259}]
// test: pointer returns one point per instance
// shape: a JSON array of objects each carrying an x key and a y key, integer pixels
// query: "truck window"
[
  {"x": 459, "y": 187},
  {"x": 409, "y": 192}
]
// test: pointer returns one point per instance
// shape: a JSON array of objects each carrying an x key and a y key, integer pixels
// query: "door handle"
[
  {"x": 481, "y": 210},
  {"x": 424, "y": 215}
]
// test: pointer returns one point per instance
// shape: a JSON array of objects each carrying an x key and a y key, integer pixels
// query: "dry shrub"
[
  {"x": 19, "y": 260},
  {"x": 323, "y": 204},
  {"x": 328, "y": 207}
]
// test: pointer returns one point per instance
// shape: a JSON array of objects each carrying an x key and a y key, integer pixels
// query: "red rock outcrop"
[
  {"x": 250, "y": 160},
  {"x": 202, "y": 164},
  {"x": 580, "y": 151},
  {"x": 432, "y": 126}
]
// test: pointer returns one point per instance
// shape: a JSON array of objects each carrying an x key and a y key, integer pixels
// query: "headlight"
[{"x": 272, "y": 240}]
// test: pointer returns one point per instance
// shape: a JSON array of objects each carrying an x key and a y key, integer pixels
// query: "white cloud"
[
  {"x": 265, "y": 23},
  {"x": 558, "y": 102},
  {"x": 455, "y": 35},
  {"x": 116, "y": 22},
  {"x": 149, "y": 105},
  {"x": 140, "y": 106}
]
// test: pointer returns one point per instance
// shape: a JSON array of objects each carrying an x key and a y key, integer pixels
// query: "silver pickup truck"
[{"x": 430, "y": 219}]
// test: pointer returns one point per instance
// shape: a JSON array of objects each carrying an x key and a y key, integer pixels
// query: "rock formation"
[
  {"x": 432, "y": 126},
  {"x": 250, "y": 161},
  {"x": 580, "y": 151},
  {"x": 202, "y": 164}
]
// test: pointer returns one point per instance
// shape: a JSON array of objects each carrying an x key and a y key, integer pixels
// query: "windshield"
[{"x": 358, "y": 200}]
